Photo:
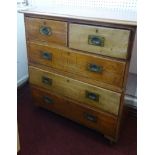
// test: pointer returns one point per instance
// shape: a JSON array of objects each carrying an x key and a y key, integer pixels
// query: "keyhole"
[{"x": 96, "y": 30}]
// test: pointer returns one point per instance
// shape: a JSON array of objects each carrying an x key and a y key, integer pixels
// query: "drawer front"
[
  {"x": 49, "y": 31},
  {"x": 96, "y": 68},
  {"x": 85, "y": 93},
  {"x": 100, "y": 121},
  {"x": 101, "y": 40},
  {"x": 45, "y": 55}
]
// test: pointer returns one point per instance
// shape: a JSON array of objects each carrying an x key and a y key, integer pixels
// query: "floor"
[{"x": 44, "y": 133}]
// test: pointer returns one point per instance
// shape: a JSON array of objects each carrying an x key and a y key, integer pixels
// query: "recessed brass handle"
[
  {"x": 46, "y": 55},
  {"x": 90, "y": 117},
  {"x": 44, "y": 30},
  {"x": 92, "y": 96},
  {"x": 95, "y": 68},
  {"x": 47, "y": 99},
  {"x": 96, "y": 40},
  {"x": 46, "y": 80}
]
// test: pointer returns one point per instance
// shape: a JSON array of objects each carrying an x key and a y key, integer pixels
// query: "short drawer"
[
  {"x": 49, "y": 31},
  {"x": 45, "y": 55},
  {"x": 102, "y": 70},
  {"x": 98, "y": 120},
  {"x": 100, "y": 98},
  {"x": 111, "y": 42}
]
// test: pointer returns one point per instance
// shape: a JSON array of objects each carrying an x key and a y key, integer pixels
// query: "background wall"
[
  {"x": 22, "y": 66},
  {"x": 111, "y": 4}
]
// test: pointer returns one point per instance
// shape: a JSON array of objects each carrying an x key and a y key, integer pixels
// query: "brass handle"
[
  {"x": 95, "y": 68},
  {"x": 46, "y": 55},
  {"x": 96, "y": 40},
  {"x": 90, "y": 117},
  {"x": 92, "y": 96},
  {"x": 44, "y": 30},
  {"x": 47, "y": 99},
  {"x": 46, "y": 80}
]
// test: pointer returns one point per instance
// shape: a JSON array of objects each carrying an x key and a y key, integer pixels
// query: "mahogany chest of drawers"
[{"x": 78, "y": 68}]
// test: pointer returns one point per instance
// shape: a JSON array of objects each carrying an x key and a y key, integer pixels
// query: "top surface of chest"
[{"x": 124, "y": 17}]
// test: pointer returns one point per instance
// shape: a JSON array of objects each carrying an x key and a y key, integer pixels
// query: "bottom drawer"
[{"x": 98, "y": 120}]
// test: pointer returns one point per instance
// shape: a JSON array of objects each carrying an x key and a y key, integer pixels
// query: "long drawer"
[
  {"x": 111, "y": 42},
  {"x": 102, "y": 70},
  {"x": 97, "y": 120},
  {"x": 100, "y": 98},
  {"x": 45, "y": 30}
]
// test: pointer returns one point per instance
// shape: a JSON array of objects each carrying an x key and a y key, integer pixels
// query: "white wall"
[
  {"x": 111, "y": 4},
  {"x": 22, "y": 66}
]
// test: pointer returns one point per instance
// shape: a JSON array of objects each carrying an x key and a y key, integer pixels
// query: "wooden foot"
[{"x": 111, "y": 140}]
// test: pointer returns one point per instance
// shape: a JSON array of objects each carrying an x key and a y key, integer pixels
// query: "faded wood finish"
[
  {"x": 71, "y": 75},
  {"x": 88, "y": 94},
  {"x": 121, "y": 116},
  {"x": 122, "y": 108},
  {"x": 46, "y": 30},
  {"x": 79, "y": 78},
  {"x": 115, "y": 42},
  {"x": 36, "y": 55},
  {"x": 80, "y": 113},
  {"x": 88, "y": 21},
  {"x": 78, "y": 63}
]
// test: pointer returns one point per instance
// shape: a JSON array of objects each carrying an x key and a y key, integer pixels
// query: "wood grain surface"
[
  {"x": 98, "y": 120},
  {"x": 115, "y": 40},
  {"x": 58, "y": 30},
  {"x": 88, "y": 94},
  {"x": 78, "y": 63}
]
